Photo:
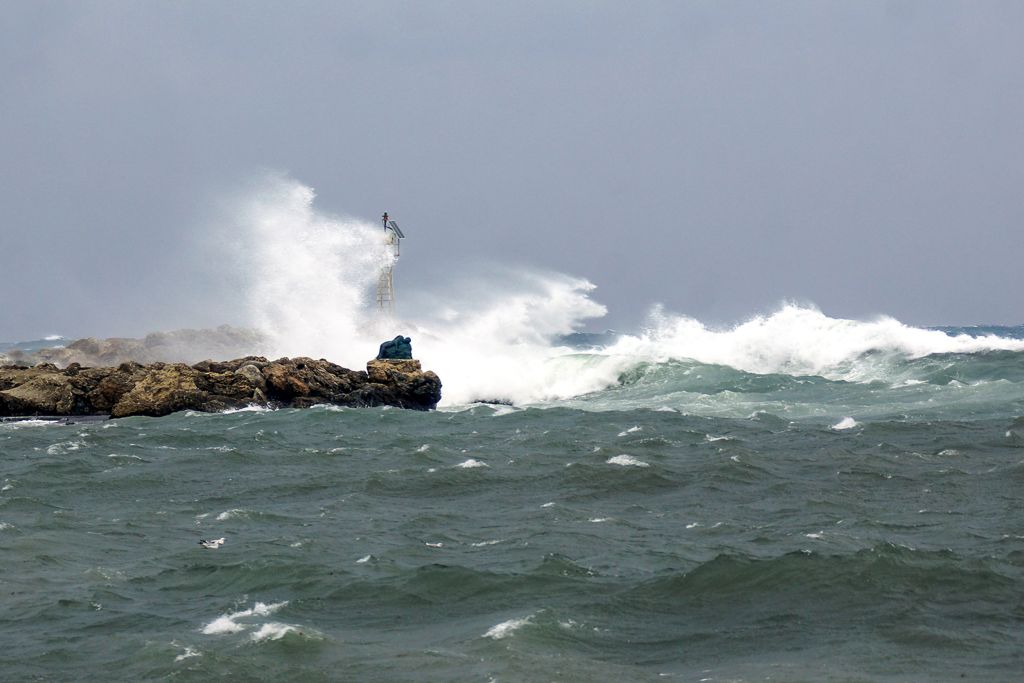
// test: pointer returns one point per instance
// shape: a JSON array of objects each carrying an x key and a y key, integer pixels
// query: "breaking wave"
[{"x": 308, "y": 279}]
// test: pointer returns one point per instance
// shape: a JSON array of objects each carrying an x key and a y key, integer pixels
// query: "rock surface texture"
[{"x": 209, "y": 386}]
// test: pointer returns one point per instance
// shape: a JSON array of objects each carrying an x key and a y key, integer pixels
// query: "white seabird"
[{"x": 211, "y": 545}]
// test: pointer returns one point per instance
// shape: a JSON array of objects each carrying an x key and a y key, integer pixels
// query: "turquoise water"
[{"x": 691, "y": 522}]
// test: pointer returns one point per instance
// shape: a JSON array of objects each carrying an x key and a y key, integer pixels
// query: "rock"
[
  {"x": 398, "y": 348},
  {"x": 162, "y": 388},
  {"x": 403, "y": 383},
  {"x": 253, "y": 374}
]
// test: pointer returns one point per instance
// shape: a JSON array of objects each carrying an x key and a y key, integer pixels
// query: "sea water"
[{"x": 690, "y": 521}]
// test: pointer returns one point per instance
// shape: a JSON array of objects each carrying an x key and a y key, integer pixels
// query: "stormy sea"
[{"x": 796, "y": 497}]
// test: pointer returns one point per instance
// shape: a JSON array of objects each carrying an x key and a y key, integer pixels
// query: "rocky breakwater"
[{"x": 162, "y": 388}]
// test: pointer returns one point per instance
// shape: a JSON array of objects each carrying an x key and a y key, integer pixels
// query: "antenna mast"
[{"x": 385, "y": 281}]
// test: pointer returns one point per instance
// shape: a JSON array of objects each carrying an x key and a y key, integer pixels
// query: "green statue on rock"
[{"x": 399, "y": 348}]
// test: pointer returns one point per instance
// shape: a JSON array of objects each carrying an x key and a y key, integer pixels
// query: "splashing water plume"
[
  {"x": 308, "y": 276},
  {"x": 309, "y": 280}
]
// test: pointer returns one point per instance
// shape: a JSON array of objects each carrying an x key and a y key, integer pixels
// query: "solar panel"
[{"x": 398, "y": 231}]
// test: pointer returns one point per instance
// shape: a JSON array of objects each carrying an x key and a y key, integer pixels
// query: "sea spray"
[
  {"x": 307, "y": 276},
  {"x": 308, "y": 279}
]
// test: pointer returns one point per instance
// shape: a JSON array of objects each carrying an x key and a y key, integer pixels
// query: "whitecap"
[
  {"x": 228, "y": 623},
  {"x": 548, "y": 505},
  {"x": 4, "y": 526},
  {"x": 188, "y": 653},
  {"x": 228, "y": 514},
  {"x": 423, "y": 449},
  {"x": 845, "y": 423},
  {"x": 222, "y": 624},
  {"x": 631, "y": 430},
  {"x": 598, "y": 520},
  {"x": 500, "y": 410},
  {"x": 251, "y": 408},
  {"x": 481, "y": 544},
  {"x": 29, "y": 423},
  {"x": 506, "y": 628},
  {"x": 627, "y": 461},
  {"x": 816, "y": 536},
  {"x": 471, "y": 463},
  {"x": 61, "y": 448},
  {"x": 272, "y": 631}
]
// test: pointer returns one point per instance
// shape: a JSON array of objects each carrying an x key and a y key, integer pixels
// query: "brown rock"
[{"x": 162, "y": 388}]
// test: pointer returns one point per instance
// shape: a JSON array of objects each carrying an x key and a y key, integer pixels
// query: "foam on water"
[
  {"x": 272, "y": 631},
  {"x": 472, "y": 464},
  {"x": 188, "y": 654},
  {"x": 845, "y": 423},
  {"x": 627, "y": 461},
  {"x": 229, "y": 623},
  {"x": 507, "y": 628}
]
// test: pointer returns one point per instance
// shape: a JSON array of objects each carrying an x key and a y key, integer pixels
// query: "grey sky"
[{"x": 717, "y": 157}]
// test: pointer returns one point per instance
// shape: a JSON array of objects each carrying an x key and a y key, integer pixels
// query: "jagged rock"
[
  {"x": 404, "y": 383},
  {"x": 162, "y": 388}
]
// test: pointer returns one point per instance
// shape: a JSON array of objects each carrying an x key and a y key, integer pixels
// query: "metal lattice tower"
[{"x": 386, "y": 280}]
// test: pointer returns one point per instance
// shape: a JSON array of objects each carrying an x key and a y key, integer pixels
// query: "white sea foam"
[
  {"x": 222, "y": 624},
  {"x": 232, "y": 513},
  {"x": 631, "y": 430},
  {"x": 507, "y": 628},
  {"x": 627, "y": 461},
  {"x": 364, "y": 559},
  {"x": 251, "y": 408},
  {"x": 845, "y": 423},
  {"x": 423, "y": 449},
  {"x": 20, "y": 424},
  {"x": 228, "y": 623},
  {"x": 471, "y": 464},
  {"x": 64, "y": 447},
  {"x": 188, "y": 654},
  {"x": 272, "y": 631}
]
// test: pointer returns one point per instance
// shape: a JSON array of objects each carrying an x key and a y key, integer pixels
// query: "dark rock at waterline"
[{"x": 162, "y": 388}]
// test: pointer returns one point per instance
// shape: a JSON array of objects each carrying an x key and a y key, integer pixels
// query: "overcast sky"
[{"x": 718, "y": 157}]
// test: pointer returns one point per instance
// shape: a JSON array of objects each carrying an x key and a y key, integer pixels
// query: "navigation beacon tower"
[{"x": 386, "y": 282}]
